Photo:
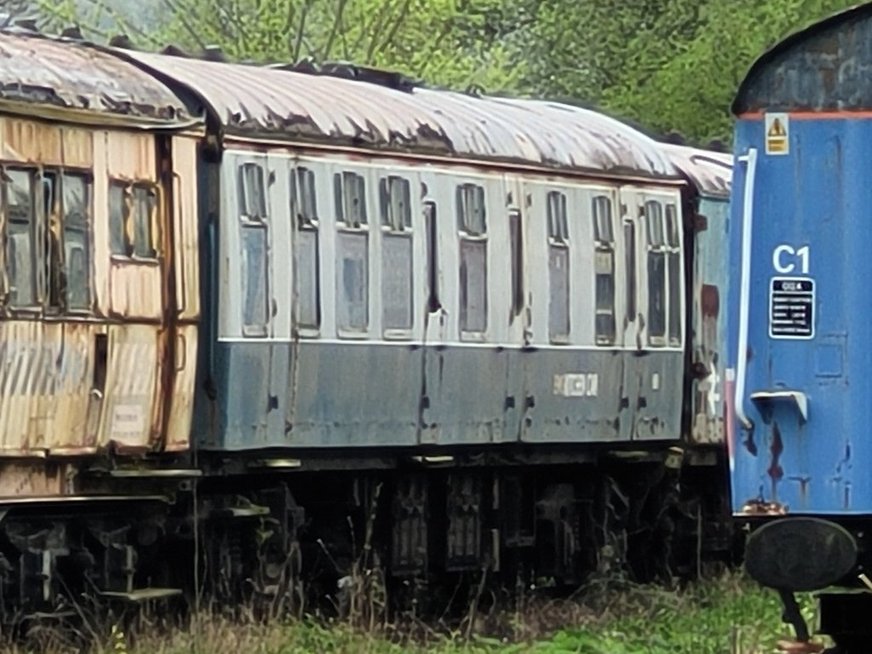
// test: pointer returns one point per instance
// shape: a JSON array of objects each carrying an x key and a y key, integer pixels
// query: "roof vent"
[
  {"x": 121, "y": 41},
  {"x": 28, "y": 24},
  {"x": 174, "y": 51},
  {"x": 214, "y": 53},
  {"x": 345, "y": 70},
  {"x": 72, "y": 32}
]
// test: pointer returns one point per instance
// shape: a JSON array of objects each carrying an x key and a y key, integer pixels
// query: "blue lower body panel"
[{"x": 337, "y": 395}]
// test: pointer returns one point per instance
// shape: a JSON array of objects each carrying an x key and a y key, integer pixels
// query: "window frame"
[
  {"x": 674, "y": 268},
  {"x": 129, "y": 235},
  {"x": 655, "y": 246},
  {"x": 87, "y": 228},
  {"x": 37, "y": 304},
  {"x": 605, "y": 249},
  {"x": 390, "y": 229},
  {"x": 359, "y": 227},
  {"x": 557, "y": 215},
  {"x": 249, "y": 221},
  {"x": 303, "y": 222},
  {"x": 475, "y": 235}
]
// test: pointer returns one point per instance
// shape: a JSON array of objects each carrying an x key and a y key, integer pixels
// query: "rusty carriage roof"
[
  {"x": 710, "y": 172},
  {"x": 273, "y": 103},
  {"x": 55, "y": 77}
]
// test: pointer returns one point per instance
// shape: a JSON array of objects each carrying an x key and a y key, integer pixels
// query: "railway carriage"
[
  {"x": 799, "y": 337},
  {"x": 468, "y": 326}
]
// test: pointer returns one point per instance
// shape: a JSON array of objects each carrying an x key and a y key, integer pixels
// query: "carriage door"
[
  {"x": 435, "y": 315},
  {"x": 633, "y": 325},
  {"x": 518, "y": 402}
]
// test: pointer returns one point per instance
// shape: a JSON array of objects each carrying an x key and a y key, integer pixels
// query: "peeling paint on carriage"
[
  {"x": 42, "y": 72},
  {"x": 256, "y": 102}
]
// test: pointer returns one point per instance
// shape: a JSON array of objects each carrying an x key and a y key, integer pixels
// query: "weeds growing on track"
[{"x": 727, "y": 615}]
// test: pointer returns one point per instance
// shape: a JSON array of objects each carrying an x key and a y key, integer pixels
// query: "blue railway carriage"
[
  {"x": 486, "y": 332},
  {"x": 477, "y": 306},
  {"x": 800, "y": 339}
]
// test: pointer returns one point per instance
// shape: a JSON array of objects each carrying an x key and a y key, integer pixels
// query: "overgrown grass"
[{"x": 728, "y": 614}]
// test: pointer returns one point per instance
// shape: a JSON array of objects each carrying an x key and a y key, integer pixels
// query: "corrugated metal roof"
[
  {"x": 267, "y": 102},
  {"x": 63, "y": 73},
  {"x": 711, "y": 172}
]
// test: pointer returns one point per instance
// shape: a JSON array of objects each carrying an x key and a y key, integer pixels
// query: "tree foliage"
[{"x": 667, "y": 65}]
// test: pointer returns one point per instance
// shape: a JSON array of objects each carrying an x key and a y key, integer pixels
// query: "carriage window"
[
  {"x": 254, "y": 280},
  {"x": 254, "y": 240},
  {"x": 21, "y": 254},
  {"x": 396, "y": 214},
  {"x": 471, "y": 215},
  {"x": 516, "y": 245},
  {"x": 396, "y": 208},
  {"x": 630, "y": 267},
  {"x": 604, "y": 270},
  {"x": 656, "y": 256},
  {"x": 352, "y": 312},
  {"x": 252, "y": 191},
  {"x": 472, "y": 224},
  {"x": 558, "y": 267},
  {"x": 76, "y": 206},
  {"x": 350, "y": 191},
  {"x": 119, "y": 212},
  {"x": 674, "y": 253},
  {"x": 304, "y": 208},
  {"x": 352, "y": 278},
  {"x": 433, "y": 301},
  {"x": 144, "y": 206},
  {"x": 132, "y": 219}
]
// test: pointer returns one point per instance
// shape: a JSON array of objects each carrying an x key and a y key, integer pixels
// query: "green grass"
[{"x": 729, "y": 615}]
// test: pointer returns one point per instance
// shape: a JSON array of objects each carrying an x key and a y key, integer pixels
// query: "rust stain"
[
  {"x": 763, "y": 508},
  {"x": 775, "y": 471}
]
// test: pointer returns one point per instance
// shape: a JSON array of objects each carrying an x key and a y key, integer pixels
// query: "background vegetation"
[
  {"x": 667, "y": 65},
  {"x": 726, "y": 615}
]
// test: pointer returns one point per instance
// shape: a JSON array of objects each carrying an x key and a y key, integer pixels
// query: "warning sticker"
[
  {"x": 791, "y": 308},
  {"x": 777, "y": 133}
]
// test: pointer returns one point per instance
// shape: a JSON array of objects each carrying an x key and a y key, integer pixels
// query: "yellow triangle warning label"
[
  {"x": 777, "y": 129},
  {"x": 777, "y": 133}
]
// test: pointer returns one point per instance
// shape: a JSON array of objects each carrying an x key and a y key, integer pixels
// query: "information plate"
[{"x": 791, "y": 308}]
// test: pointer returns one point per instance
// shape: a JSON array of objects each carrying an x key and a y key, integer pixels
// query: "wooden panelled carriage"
[{"x": 466, "y": 318}]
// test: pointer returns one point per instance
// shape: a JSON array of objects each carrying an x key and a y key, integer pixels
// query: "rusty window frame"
[
  {"x": 559, "y": 279},
  {"x": 656, "y": 248},
  {"x": 605, "y": 324},
  {"x": 31, "y": 229},
  {"x": 304, "y": 212},
  {"x": 135, "y": 237},
  {"x": 675, "y": 299}
]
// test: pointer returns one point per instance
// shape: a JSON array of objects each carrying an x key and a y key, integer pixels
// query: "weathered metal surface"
[
  {"x": 710, "y": 172},
  {"x": 46, "y": 73},
  {"x": 810, "y": 224},
  {"x": 711, "y": 281},
  {"x": 825, "y": 67},
  {"x": 261, "y": 102},
  {"x": 78, "y": 382}
]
